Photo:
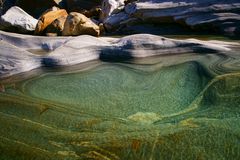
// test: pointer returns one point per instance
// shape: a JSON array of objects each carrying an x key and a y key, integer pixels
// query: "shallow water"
[{"x": 168, "y": 107}]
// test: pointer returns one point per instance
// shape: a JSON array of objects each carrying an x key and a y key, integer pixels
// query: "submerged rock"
[
  {"x": 78, "y": 24},
  {"x": 147, "y": 117},
  {"x": 17, "y": 20},
  {"x": 48, "y": 18}
]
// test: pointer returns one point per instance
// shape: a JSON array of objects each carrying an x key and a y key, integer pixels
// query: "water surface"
[{"x": 168, "y": 107}]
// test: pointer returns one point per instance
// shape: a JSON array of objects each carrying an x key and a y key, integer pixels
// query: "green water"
[{"x": 173, "y": 107}]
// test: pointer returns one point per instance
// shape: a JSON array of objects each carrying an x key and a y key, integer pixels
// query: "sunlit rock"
[
  {"x": 48, "y": 18},
  {"x": 17, "y": 20},
  {"x": 78, "y": 24}
]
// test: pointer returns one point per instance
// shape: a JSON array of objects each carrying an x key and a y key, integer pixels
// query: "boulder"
[
  {"x": 204, "y": 15},
  {"x": 37, "y": 7},
  {"x": 48, "y": 18},
  {"x": 80, "y": 5},
  {"x": 116, "y": 21},
  {"x": 198, "y": 15},
  {"x": 78, "y": 24},
  {"x": 56, "y": 27},
  {"x": 22, "y": 23},
  {"x": 110, "y": 7}
]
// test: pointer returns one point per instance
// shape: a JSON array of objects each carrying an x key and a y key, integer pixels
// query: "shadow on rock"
[{"x": 112, "y": 54}]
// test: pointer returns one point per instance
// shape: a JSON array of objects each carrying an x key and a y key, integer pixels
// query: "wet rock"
[
  {"x": 17, "y": 20},
  {"x": 37, "y": 7},
  {"x": 78, "y": 24},
  {"x": 48, "y": 18}
]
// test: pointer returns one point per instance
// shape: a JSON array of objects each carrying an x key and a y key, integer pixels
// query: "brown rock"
[
  {"x": 78, "y": 24},
  {"x": 37, "y": 7},
  {"x": 48, "y": 18},
  {"x": 56, "y": 27}
]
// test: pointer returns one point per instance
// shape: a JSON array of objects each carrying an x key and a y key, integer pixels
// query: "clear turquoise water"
[{"x": 172, "y": 107}]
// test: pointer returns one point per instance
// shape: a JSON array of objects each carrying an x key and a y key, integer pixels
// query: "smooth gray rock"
[
  {"x": 18, "y": 51},
  {"x": 17, "y": 20},
  {"x": 195, "y": 14},
  {"x": 14, "y": 60}
]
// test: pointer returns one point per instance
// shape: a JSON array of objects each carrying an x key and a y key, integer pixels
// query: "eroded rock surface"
[{"x": 67, "y": 51}]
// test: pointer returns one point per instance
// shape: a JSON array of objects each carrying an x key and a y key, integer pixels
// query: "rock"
[
  {"x": 22, "y": 23},
  {"x": 116, "y": 21},
  {"x": 78, "y": 24},
  {"x": 15, "y": 60},
  {"x": 80, "y": 5},
  {"x": 110, "y": 7},
  {"x": 48, "y": 18},
  {"x": 145, "y": 117},
  {"x": 17, "y": 50},
  {"x": 204, "y": 15},
  {"x": 37, "y": 7},
  {"x": 56, "y": 27}
]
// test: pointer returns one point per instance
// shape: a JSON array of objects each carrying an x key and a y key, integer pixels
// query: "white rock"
[
  {"x": 110, "y": 7},
  {"x": 17, "y": 20}
]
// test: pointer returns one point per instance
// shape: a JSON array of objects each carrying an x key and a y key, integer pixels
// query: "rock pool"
[{"x": 179, "y": 106}]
